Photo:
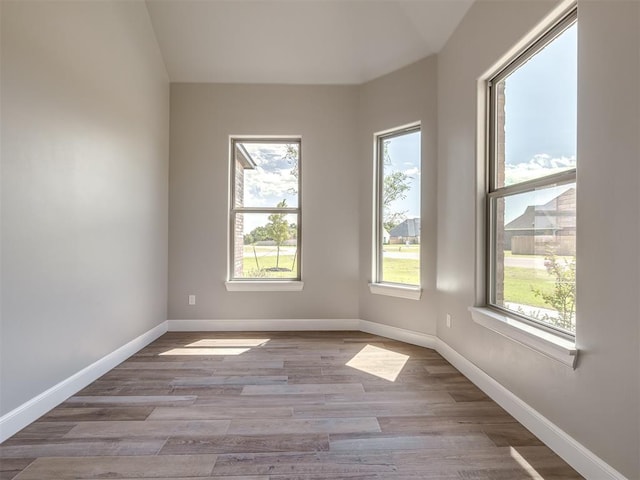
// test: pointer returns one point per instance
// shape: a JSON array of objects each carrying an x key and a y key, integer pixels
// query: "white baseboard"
[
  {"x": 400, "y": 334},
  {"x": 273, "y": 325},
  {"x": 583, "y": 460},
  {"x": 18, "y": 418},
  {"x": 292, "y": 325},
  {"x": 574, "y": 453}
]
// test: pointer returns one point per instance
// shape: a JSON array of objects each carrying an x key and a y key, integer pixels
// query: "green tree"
[
  {"x": 563, "y": 296},
  {"x": 392, "y": 220},
  {"x": 395, "y": 186},
  {"x": 258, "y": 234},
  {"x": 278, "y": 229},
  {"x": 292, "y": 156},
  {"x": 293, "y": 230}
]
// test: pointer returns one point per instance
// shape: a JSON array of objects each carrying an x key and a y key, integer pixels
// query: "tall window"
[
  {"x": 265, "y": 212},
  {"x": 532, "y": 182},
  {"x": 397, "y": 258}
]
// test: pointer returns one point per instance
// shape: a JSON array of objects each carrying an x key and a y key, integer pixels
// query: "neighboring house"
[
  {"x": 553, "y": 223},
  {"x": 385, "y": 236},
  {"x": 407, "y": 232}
]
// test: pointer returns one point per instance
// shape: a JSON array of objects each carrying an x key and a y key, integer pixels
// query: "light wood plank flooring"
[{"x": 266, "y": 406}]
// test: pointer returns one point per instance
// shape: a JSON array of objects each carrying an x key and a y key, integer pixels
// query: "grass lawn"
[
  {"x": 401, "y": 270},
  {"x": 518, "y": 282},
  {"x": 251, "y": 269}
]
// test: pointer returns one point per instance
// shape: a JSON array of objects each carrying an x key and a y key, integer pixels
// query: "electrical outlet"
[
  {"x": 448, "y": 320},
  {"x": 192, "y": 299}
]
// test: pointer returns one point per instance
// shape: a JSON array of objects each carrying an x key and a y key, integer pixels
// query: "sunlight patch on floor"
[
  {"x": 206, "y": 351},
  {"x": 218, "y": 346},
  {"x": 229, "y": 342},
  {"x": 380, "y": 362},
  {"x": 526, "y": 466}
]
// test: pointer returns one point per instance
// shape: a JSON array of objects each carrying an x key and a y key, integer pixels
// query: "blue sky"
[
  {"x": 541, "y": 119},
  {"x": 540, "y": 128},
  {"x": 540, "y": 137},
  {"x": 269, "y": 183},
  {"x": 541, "y": 103},
  {"x": 272, "y": 179},
  {"x": 404, "y": 152}
]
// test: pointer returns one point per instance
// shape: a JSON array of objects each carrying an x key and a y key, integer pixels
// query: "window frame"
[
  {"x": 378, "y": 285},
  {"x": 493, "y": 192},
  {"x": 235, "y": 210}
]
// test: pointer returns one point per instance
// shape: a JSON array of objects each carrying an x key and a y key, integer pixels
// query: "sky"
[
  {"x": 541, "y": 119},
  {"x": 272, "y": 181},
  {"x": 404, "y": 153},
  {"x": 540, "y": 138},
  {"x": 540, "y": 127}
]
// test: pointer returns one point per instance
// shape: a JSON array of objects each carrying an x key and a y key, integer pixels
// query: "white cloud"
[
  {"x": 415, "y": 171},
  {"x": 263, "y": 188},
  {"x": 540, "y": 165}
]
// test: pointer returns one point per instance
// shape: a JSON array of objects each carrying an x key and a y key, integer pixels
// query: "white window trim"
[
  {"x": 234, "y": 284},
  {"x": 541, "y": 341},
  {"x": 396, "y": 290},
  {"x": 536, "y": 337},
  {"x": 264, "y": 286},
  {"x": 377, "y": 287}
]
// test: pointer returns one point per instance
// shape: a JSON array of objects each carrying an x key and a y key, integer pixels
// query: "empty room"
[{"x": 320, "y": 239}]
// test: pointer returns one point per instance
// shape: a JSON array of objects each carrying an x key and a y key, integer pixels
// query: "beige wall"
[
  {"x": 405, "y": 96},
  {"x": 203, "y": 116},
  {"x": 597, "y": 404},
  {"x": 85, "y": 109}
]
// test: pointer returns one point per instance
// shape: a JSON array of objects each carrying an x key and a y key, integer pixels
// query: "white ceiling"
[{"x": 298, "y": 41}]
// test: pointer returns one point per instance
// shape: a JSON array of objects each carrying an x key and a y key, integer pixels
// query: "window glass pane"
[
  {"x": 266, "y": 174},
  {"x": 535, "y": 255},
  {"x": 536, "y": 117},
  {"x": 265, "y": 246},
  {"x": 400, "y": 204}
]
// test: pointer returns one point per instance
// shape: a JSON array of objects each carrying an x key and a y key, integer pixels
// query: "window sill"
[
  {"x": 552, "y": 346},
  {"x": 262, "y": 286},
  {"x": 400, "y": 291}
]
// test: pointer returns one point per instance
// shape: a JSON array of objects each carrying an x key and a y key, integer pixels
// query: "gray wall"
[
  {"x": 597, "y": 404},
  {"x": 85, "y": 112},
  {"x": 203, "y": 116},
  {"x": 336, "y": 123},
  {"x": 405, "y": 96},
  {"x": 84, "y": 104}
]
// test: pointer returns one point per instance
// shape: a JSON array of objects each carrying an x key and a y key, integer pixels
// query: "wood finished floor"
[{"x": 266, "y": 406}]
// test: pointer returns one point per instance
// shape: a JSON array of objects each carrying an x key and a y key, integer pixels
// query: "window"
[
  {"x": 531, "y": 197},
  {"x": 265, "y": 214},
  {"x": 397, "y": 222}
]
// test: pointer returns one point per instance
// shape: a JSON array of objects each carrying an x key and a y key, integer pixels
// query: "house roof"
[
  {"x": 409, "y": 228},
  {"x": 546, "y": 216},
  {"x": 244, "y": 157}
]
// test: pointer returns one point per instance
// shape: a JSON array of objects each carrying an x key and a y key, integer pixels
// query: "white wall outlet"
[
  {"x": 448, "y": 320},
  {"x": 192, "y": 299}
]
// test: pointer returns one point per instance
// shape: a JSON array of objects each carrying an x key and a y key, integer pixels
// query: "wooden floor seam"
[{"x": 280, "y": 406}]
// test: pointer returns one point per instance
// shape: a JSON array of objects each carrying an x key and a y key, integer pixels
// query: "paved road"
[
  {"x": 270, "y": 252},
  {"x": 509, "y": 261},
  {"x": 525, "y": 262},
  {"x": 407, "y": 255}
]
